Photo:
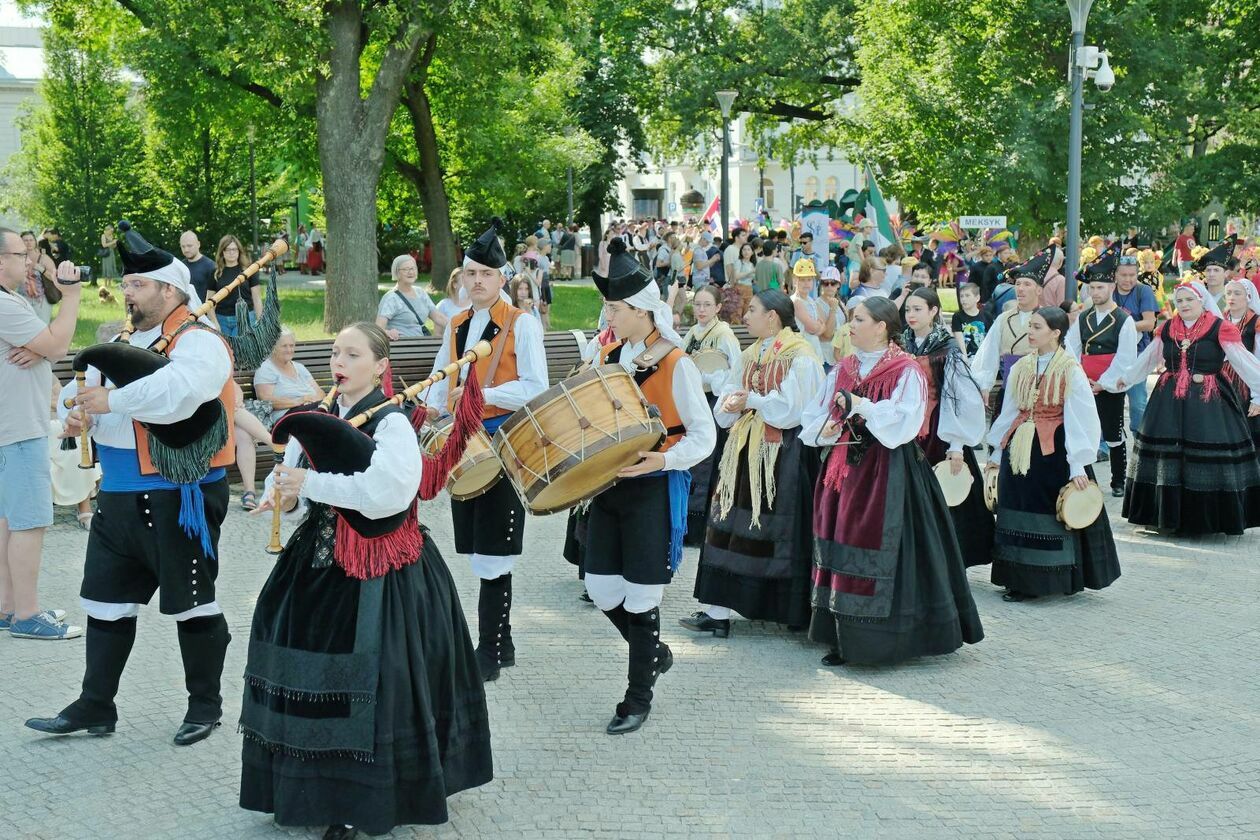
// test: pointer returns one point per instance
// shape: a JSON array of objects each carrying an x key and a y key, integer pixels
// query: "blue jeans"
[
  {"x": 1137, "y": 405},
  {"x": 26, "y": 484},
  {"x": 229, "y": 327}
]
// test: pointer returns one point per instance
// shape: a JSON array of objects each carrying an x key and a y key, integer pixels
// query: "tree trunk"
[
  {"x": 350, "y": 130},
  {"x": 429, "y": 183},
  {"x": 207, "y": 170}
]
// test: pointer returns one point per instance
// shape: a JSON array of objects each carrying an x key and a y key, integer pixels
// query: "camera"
[{"x": 85, "y": 273}]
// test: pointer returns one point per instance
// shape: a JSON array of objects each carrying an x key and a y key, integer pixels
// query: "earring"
[{"x": 376, "y": 380}]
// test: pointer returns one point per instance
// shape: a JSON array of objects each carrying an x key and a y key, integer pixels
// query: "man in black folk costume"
[
  {"x": 491, "y": 528},
  {"x": 163, "y": 440},
  {"x": 1104, "y": 339},
  {"x": 636, "y": 527}
]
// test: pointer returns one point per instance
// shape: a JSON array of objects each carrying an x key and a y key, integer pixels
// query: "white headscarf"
[
  {"x": 1253, "y": 294},
  {"x": 1209, "y": 300},
  {"x": 649, "y": 298}
]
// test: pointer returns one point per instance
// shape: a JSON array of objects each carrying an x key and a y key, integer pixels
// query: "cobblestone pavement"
[{"x": 1127, "y": 713}]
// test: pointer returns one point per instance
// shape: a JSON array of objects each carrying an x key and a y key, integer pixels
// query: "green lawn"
[{"x": 302, "y": 310}]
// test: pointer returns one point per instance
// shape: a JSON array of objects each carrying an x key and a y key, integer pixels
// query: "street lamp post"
[
  {"x": 726, "y": 98},
  {"x": 1079, "y": 10}
]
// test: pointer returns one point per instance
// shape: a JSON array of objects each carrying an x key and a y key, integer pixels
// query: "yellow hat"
[{"x": 805, "y": 268}]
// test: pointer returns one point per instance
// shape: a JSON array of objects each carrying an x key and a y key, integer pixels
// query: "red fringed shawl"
[{"x": 1184, "y": 337}]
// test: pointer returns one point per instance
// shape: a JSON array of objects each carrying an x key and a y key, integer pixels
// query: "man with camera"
[{"x": 26, "y": 508}]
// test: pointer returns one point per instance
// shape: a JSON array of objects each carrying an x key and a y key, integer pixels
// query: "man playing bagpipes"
[
  {"x": 491, "y": 527},
  {"x": 158, "y": 403}
]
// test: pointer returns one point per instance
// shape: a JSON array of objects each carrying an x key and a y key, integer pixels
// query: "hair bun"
[
  {"x": 616, "y": 245},
  {"x": 124, "y": 225}
]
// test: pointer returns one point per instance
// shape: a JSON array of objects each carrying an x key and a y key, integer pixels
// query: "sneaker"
[
  {"x": 6, "y": 619},
  {"x": 43, "y": 625}
]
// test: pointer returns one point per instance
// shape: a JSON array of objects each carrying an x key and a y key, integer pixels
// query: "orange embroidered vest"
[
  {"x": 225, "y": 456},
  {"x": 502, "y": 328},
  {"x": 657, "y": 385}
]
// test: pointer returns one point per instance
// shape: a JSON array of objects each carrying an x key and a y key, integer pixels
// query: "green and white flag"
[{"x": 875, "y": 210}]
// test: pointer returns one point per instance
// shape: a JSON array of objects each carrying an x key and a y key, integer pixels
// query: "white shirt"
[
  {"x": 531, "y": 364},
  {"x": 1081, "y": 429},
  {"x": 199, "y": 367},
  {"x": 687, "y": 390},
  {"x": 1126, "y": 351},
  {"x": 894, "y": 422},
  {"x": 812, "y": 304},
  {"x": 387, "y": 486},
  {"x": 782, "y": 406},
  {"x": 962, "y": 417},
  {"x": 988, "y": 359}
]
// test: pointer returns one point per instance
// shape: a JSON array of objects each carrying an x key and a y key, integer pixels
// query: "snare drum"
[
  {"x": 479, "y": 469},
  {"x": 568, "y": 444},
  {"x": 1078, "y": 509},
  {"x": 956, "y": 488}
]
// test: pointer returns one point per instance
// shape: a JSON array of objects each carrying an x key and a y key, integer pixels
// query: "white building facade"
[{"x": 656, "y": 191}]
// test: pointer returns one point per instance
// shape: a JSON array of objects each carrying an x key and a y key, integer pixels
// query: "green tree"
[{"x": 82, "y": 155}]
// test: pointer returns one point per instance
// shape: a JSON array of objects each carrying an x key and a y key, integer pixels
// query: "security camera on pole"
[{"x": 1084, "y": 62}]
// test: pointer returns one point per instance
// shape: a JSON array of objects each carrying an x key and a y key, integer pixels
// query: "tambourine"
[
  {"x": 991, "y": 487},
  {"x": 710, "y": 361},
  {"x": 1078, "y": 509},
  {"x": 956, "y": 488}
]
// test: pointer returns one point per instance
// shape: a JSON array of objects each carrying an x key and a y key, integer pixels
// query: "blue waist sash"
[
  {"x": 492, "y": 425},
  {"x": 120, "y": 473},
  {"x": 679, "y": 490}
]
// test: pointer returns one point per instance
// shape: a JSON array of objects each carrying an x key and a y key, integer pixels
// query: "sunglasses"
[
  {"x": 830, "y": 283},
  {"x": 1128, "y": 261}
]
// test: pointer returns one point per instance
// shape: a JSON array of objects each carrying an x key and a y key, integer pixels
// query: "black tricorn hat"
[
  {"x": 1103, "y": 267},
  {"x": 1222, "y": 254},
  {"x": 486, "y": 250},
  {"x": 626, "y": 276},
  {"x": 138, "y": 256},
  {"x": 1036, "y": 268}
]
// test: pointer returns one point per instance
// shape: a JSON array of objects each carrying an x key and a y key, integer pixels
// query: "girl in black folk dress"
[
  {"x": 1242, "y": 305},
  {"x": 364, "y": 707}
]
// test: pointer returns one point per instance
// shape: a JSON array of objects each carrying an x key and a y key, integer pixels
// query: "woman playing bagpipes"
[
  {"x": 889, "y": 582},
  {"x": 1045, "y": 437},
  {"x": 363, "y": 707}
]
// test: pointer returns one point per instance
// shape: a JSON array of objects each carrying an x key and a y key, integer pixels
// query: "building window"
[
  {"x": 831, "y": 189},
  {"x": 811, "y": 189},
  {"x": 767, "y": 189}
]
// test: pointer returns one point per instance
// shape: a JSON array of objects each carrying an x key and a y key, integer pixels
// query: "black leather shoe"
[
  {"x": 191, "y": 733},
  {"x": 702, "y": 622},
  {"x": 1016, "y": 597},
  {"x": 624, "y": 724},
  {"x": 1117, "y": 492},
  {"x": 341, "y": 832},
  {"x": 833, "y": 659},
  {"x": 60, "y": 726}
]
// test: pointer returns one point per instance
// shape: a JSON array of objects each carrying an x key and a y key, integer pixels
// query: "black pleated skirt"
[
  {"x": 426, "y": 734},
  {"x": 1194, "y": 469},
  {"x": 762, "y": 571},
  {"x": 908, "y": 598}
]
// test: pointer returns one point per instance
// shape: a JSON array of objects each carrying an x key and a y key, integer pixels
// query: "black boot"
[
  {"x": 203, "y": 645},
  {"x": 620, "y": 619},
  {"x": 108, "y": 647},
  {"x": 495, "y": 649},
  {"x": 649, "y": 658},
  {"x": 1118, "y": 465}
]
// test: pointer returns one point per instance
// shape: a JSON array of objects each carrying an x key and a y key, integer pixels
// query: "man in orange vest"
[
  {"x": 636, "y": 527},
  {"x": 491, "y": 527},
  {"x": 155, "y": 532}
]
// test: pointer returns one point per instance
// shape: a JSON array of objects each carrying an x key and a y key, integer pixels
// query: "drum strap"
[
  {"x": 508, "y": 335},
  {"x": 652, "y": 355}
]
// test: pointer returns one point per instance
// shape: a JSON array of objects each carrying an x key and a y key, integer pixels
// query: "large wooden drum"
[
  {"x": 567, "y": 444},
  {"x": 479, "y": 469}
]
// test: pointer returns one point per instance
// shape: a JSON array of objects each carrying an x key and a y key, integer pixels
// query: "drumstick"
[{"x": 85, "y": 442}]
